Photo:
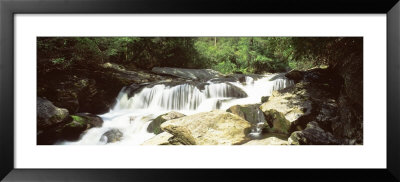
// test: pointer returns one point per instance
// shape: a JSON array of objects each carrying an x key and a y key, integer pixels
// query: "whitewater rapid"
[{"x": 132, "y": 115}]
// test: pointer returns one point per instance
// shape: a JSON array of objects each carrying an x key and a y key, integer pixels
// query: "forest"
[
  {"x": 200, "y": 90},
  {"x": 223, "y": 54}
]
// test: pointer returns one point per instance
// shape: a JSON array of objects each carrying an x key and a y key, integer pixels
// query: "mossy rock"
[
  {"x": 79, "y": 123},
  {"x": 264, "y": 99},
  {"x": 48, "y": 115},
  {"x": 278, "y": 121},
  {"x": 73, "y": 129}
]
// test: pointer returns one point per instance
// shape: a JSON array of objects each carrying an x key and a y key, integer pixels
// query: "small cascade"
[
  {"x": 223, "y": 90},
  {"x": 281, "y": 84},
  {"x": 249, "y": 80},
  {"x": 256, "y": 130},
  {"x": 132, "y": 115},
  {"x": 179, "y": 97}
]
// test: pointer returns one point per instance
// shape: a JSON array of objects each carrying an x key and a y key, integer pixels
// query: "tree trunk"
[
  {"x": 126, "y": 53},
  {"x": 249, "y": 54}
]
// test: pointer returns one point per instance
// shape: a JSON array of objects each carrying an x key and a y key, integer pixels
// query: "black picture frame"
[{"x": 8, "y": 8}]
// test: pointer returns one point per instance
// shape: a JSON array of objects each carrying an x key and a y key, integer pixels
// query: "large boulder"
[
  {"x": 195, "y": 74},
  {"x": 48, "y": 115},
  {"x": 270, "y": 139},
  {"x": 295, "y": 75},
  {"x": 111, "y": 136},
  {"x": 91, "y": 119},
  {"x": 208, "y": 128},
  {"x": 80, "y": 123},
  {"x": 160, "y": 139},
  {"x": 154, "y": 126},
  {"x": 277, "y": 121},
  {"x": 292, "y": 104},
  {"x": 78, "y": 89},
  {"x": 287, "y": 110},
  {"x": 313, "y": 135},
  {"x": 54, "y": 124},
  {"x": 250, "y": 113}
]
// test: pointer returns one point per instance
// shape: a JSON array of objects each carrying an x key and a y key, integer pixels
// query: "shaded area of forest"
[{"x": 224, "y": 54}]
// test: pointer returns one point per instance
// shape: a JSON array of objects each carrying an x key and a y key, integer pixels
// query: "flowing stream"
[{"x": 132, "y": 115}]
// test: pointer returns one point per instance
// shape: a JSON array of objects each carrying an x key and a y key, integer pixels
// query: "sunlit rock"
[
  {"x": 270, "y": 139},
  {"x": 154, "y": 126},
  {"x": 160, "y": 139},
  {"x": 208, "y": 128}
]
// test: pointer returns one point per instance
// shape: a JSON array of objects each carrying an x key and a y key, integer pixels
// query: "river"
[{"x": 132, "y": 115}]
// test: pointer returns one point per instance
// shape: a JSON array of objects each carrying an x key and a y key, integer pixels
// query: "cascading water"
[
  {"x": 131, "y": 116},
  {"x": 257, "y": 129}
]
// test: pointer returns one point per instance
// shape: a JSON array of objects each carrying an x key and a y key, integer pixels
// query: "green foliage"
[
  {"x": 58, "y": 60},
  {"x": 78, "y": 119},
  {"x": 224, "y": 54},
  {"x": 225, "y": 67}
]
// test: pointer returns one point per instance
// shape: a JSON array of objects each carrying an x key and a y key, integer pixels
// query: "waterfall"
[
  {"x": 249, "y": 80},
  {"x": 180, "y": 97},
  {"x": 257, "y": 129},
  {"x": 132, "y": 115}
]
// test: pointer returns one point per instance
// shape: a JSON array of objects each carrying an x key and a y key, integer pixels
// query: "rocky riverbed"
[{"x": 312, "y": 107}]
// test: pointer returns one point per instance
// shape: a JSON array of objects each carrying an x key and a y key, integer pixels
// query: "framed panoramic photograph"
[{"x": 138, "y": 91}]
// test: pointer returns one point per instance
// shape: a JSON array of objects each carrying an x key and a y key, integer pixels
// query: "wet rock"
[
  {"x": 208, "y": 128},
  {"x": 226, "y": 79},
  {"x": 133, "y": 88},
  {"x": 111, "y": 136},
  {"x": 91, "y": 119},
  {"x": 154, "y": 126}
]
